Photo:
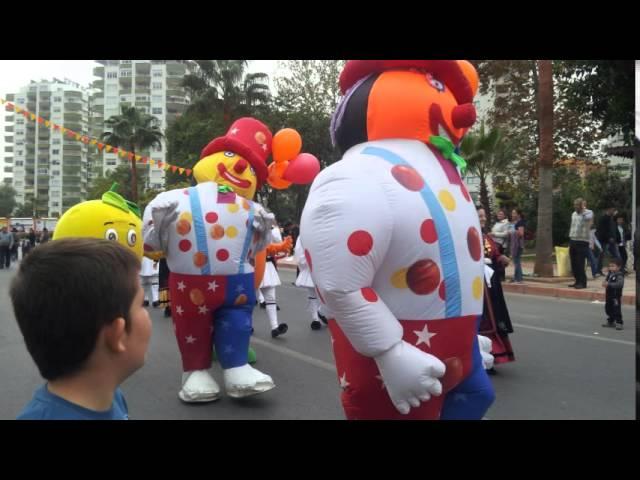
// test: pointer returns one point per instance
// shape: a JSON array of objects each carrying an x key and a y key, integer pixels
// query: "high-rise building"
[
  {"x": 49, "y": 169},
  {"x": 153, "y": 86}
]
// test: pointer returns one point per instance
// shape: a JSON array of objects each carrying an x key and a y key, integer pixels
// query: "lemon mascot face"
[
  {"x": 230, "y": 169},
  {"x": 112, "y": 218}
]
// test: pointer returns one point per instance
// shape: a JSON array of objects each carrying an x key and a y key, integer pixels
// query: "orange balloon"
[
  {"x": 260, "y": 265},
  {"x": 276, "y": 171},
  {"x": 286, "y": 145}
]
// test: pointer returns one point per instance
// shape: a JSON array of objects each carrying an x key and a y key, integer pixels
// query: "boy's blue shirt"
[{"x": 46, "y": 406}]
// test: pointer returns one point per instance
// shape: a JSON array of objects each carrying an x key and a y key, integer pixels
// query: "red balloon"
[{"x": 302, "y": 169}]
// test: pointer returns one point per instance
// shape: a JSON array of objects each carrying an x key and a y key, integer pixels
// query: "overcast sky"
[{"x": 18, "y": 73}]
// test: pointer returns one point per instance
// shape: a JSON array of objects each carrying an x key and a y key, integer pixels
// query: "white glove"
[
  {"x": 164, "y": 214},
  {"x": 410, "y": 375},
  {"x": 485, "y": 350},
  {"x": 262, "y": 223}
]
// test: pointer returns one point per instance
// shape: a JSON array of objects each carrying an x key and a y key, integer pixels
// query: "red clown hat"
[
  {"x": 457, "y": 75},
  {"x": 249, "y": 138}
]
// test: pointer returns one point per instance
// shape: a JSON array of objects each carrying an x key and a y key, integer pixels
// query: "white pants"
[
  {"x": 313, "y": 304},
  {"x": 151, "y": 288},
  {"x": 269, "y": 294}
]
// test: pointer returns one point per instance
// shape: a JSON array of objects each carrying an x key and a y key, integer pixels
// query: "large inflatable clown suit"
[
  {"x": 209, "y": 233},
  {"x": 393, "y": 243}
]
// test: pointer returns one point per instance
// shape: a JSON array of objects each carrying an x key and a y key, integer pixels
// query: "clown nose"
[
  {"x": 463, "y": 116},
  {"x": 240, "y": 166}
]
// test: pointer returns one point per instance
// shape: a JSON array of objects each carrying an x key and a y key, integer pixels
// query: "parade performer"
[
  {"x": 112, "y": 217},
  {"x": 149, "y": 280},
  {"x": 209, "y": 233},
  {"x": 278, "y": 248},
  {"x": 305, "y": 281},
  {"x": 394, "y": 247}
]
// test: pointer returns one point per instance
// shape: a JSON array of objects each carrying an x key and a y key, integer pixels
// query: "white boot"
[
  {"x": 245, "y": 381},
  {"x": 198, "y": 386}
]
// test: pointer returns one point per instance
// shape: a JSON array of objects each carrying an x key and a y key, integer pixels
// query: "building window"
[
  {"x": 57, "y": 99},
  {"x": 112, "y": 74},
  {"x": 125, "y": 73},
  {"x": 157, "y": 73},
  {"x": 156, "y": 98},
  {"x": 20, "y": 101},
  {"x": 55, "y": 152},
  {"x": 55, "y": 173},
  {"x": 20, "y": 152},
  {"x": 19, "y": 163},
  {"x": 125, "y": 62},
  {"x": 55, "y": 162},
  {"x": 56, "y": 110},
  {"x": 156, "y": 110},
  {"x": 157, "y": 85},
  {"x": 55, "y": 141},
  {"x": 55, "y": 204},
  {"x": 19, "y": 121}
]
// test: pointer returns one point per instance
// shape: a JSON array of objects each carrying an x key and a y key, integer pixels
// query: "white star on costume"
[
  {"x": 343, "y": 381},
  {"x": 240, "y": 289},
  {"x": 181, "y": 286},
  {"x": 203, "y": 309},
  {"x": 264, "y": 147},
  {"x": 379, "y": 377},
  {"x": 190, "y": 339},
  {"x": 424, "y": 336},
  {"x": 212, "y": 286},
  {"x": 179, "y": 310},
  {"x": 234, "y": 131}
]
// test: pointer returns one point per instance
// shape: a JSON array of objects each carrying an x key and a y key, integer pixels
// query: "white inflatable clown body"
[
  {"x": 393, "y": 243},
  {"x": 209, "y": 234}
]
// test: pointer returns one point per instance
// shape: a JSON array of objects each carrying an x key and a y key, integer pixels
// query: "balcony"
[
  {"x": 99, "y": 84},
  {"x": 98, "y": 72},
  {"x": 8, "y": 149},
  {"x": 8, "y": 139},
  {"x": 8, "y": 128},
  {"x": 9, "y": 117}
]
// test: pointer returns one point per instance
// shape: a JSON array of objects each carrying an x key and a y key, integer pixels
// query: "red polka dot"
[
  {"x": 408, "y": 177},
  {"x": 360, "y": 242},
  {"x": 423, "y": 277},
  {"x": 148, "y": 248},
  {"x": 465, "y": 194},
  {"x": 185, "y": 191},
  {"x": 473, "y": 242},
  {"x": 211, "y": 217},
  {"x": 428, "y": 231},
  {"x": 442, "y": 291},
  {"x": 222, "y": 254},
  {"x": 307, "y": 255},
  {"x": 319, "y": 295},
  {"x": 369, "y": 294},
  {"x": 184, "y": 245}
]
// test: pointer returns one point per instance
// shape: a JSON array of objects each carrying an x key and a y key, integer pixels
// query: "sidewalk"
[{"x": 547, "y": 287}]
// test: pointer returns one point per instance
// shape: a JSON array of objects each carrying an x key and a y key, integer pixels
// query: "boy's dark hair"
[
  {"x": 65, "y": 292},
  {"x": 616, "y": 261}
]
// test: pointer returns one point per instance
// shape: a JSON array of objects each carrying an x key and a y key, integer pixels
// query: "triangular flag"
[
  {"x": 70, "y": 133},
  {"x": 100, "y": 146},
  {"x": 138, "y": 157},
  {"x": 174, "y": 168},
  {"x": 56, "y": 126},
  {"x": 159, "y": 164},
  {"x": 144, "y": 160},
  {"x": 40, "y": 119},
  {"x": 115, "y": 149},
  {"x": 33, "y": 116},
  {"x": 78, "y": 136},
  {"x": 2, "y": 100},
  {"x": 63, "y": 130},
  {"x": 166, "y": 166},
  {"x": 47, "y": 123},
  {"x": 130, "y": 155},
  {"x": 25, "y": 114},
  {"x": 108, "y": 148},
  {"x": 181, "y": 170},
  {"x": 188, "y": 172},
  {"x": 93, "y": 142},
  {"x": 122, "y": 153},
  {"x": 151, "y": 162},
  {"x": 18, "y": 109}
]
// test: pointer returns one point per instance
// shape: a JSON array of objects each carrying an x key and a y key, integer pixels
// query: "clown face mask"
[{"x": 230, "y": 169}]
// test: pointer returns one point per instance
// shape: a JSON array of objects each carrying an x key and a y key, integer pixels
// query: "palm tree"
[
  {"x": 486, "y": 154},
  {"x": 134, "y": 131},
  {"x": 225, "y": 83},
  {"x": 544, "y": 239}
]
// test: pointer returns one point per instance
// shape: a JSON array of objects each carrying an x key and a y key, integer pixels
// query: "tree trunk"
[
  {"x": 484, "y": 197},
  {"x": 134, "y": 178},
  {"x": 544, "y": 239}
]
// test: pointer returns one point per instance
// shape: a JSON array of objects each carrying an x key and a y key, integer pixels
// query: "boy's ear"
[{"x": 114, "y": 335}]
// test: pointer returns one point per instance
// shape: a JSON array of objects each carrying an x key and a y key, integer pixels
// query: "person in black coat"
[
  {"x": 623, "y": 235},
  {"x": 606, "y": 234}
]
